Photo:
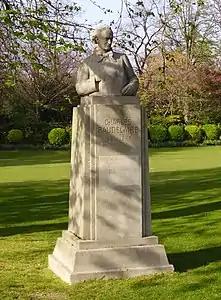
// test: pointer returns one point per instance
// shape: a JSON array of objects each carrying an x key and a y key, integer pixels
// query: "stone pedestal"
[{"x": 109, "y": 232}]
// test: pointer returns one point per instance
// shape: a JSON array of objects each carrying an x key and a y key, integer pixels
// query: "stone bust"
[{"x": 106, "y": 72}]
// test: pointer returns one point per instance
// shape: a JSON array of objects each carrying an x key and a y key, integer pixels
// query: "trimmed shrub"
[
  {"x": 176, "y": 133},
  {"x": 57, "y": 136},
  {"x": 15, "y": 136},
  {"x": 211, "y": 131},
  {"x": 158, "y": 133},
  {"x": 194, "y": 132}
]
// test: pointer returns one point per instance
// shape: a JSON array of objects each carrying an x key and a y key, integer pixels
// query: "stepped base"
[{"x": 75, "y": 260}]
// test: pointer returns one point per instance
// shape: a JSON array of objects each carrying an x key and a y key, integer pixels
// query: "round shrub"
[
  {"x": 211, "y": 131},
  {"x": 194, "y": 132},
  {"x": 176, "y": 133},
  {"x": 15, "y": 136},
  {"x": 57, "y": 136},
  {"x": 158, "y": 133}
]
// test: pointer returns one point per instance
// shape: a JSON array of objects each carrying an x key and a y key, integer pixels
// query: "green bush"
[
  {"x": 15, "y": 136},
  {"x": 174, "y": 120},
  {"x": 165, "y": 121},
  {"x": 57, "y": 136},
  {"x": 211, "y": 131},
  {"x": 194, "y": 132},
  {"x": 158, "y": 133},
  {"x": 176, "y": 133},
  {"x": 156, "y": 120}
]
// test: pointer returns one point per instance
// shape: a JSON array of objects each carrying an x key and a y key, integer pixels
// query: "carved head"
[{"x": 103, "y": 37}]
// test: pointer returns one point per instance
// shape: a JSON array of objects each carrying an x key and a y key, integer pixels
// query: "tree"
[
  {"x": 189, "y": 29},
  {"x": 139, "y": 31},
  {"x": 179, "y": 87},
  {"x": 39, "y": 41}
]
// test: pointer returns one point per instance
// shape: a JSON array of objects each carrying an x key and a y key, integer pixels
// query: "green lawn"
[{"x": 186, "y": 212}]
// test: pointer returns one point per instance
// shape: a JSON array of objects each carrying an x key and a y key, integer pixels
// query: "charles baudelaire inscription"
[{"x": 121, "y": 128}]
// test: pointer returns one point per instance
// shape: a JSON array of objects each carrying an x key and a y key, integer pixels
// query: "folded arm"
[{"x": 85, "y": 84}]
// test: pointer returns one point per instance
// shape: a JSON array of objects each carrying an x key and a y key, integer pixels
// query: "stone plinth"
[{"x": 109, "y": 232}]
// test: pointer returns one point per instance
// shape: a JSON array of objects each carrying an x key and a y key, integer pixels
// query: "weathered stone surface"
[
  {"x": 73, "y": 265},
  {"x": 106, "y": 72},
  {"x": 109, "y": 232},
  {"x": 95, "y": 244},
  {"x": 107, "y": 172}
]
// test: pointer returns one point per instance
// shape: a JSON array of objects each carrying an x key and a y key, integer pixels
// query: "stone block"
[
  {"x": 109, "y": 232},
  {"x": 73, "y": 261}
]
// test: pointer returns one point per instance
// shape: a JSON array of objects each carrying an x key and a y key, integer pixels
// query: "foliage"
[
  {"x": 172, "y": 43},
  {"x": 57, "y": 136},
  {"x": 40, "y": 99},
  {"x": 174, "y": 120},
  {"x": 188, "y": 29},
  {"x": 40, "y": 48},
  {"x": 173, "y": 86},
  {"x": 68, "y": 129},
  {"x": 15, "y": 136},
  {"x": 158, "y": 133},
  {"x": 194, "y": 132},
  {"x": 27, "y": 27},
  {"x": 156, "y": 120},
  {"x": 219, "y": 130},
  {"x": 169, "y": 84},
  {"x": 211, "y": 131},
  {"x": 176, "y": 132}
]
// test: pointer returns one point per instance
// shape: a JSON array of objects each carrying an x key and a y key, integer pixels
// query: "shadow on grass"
[
  {"x": 188, "y": 211},
  {"x": 186, "y": 208},
  {"x": 7, "y": 231},
  {"x": 18, "y": 158},
  {"x": 46, "y": 201},
  {"x": 186, "y": 188},
  {"x": 185, "y": 261},
  {"x": 33, "y": 202}
]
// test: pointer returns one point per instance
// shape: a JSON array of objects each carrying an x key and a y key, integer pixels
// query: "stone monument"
[{"x": 109, "y": 232}]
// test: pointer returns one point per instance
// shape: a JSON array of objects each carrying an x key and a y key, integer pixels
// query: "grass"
[{"x": 186, "y": 210}]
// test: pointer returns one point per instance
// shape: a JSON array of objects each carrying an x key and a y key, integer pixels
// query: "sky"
[{"x": 93, "y": 14}]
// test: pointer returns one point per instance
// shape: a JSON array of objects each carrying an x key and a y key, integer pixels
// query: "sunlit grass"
[{"x": 186, "y": 212}]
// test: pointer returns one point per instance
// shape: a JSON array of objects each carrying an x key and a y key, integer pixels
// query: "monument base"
[{"x": 75, "y": 260}]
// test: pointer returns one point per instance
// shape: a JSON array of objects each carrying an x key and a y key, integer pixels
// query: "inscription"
[
  {"x": 117, "y": 121},
  {"x": 120, "y": 128}
]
